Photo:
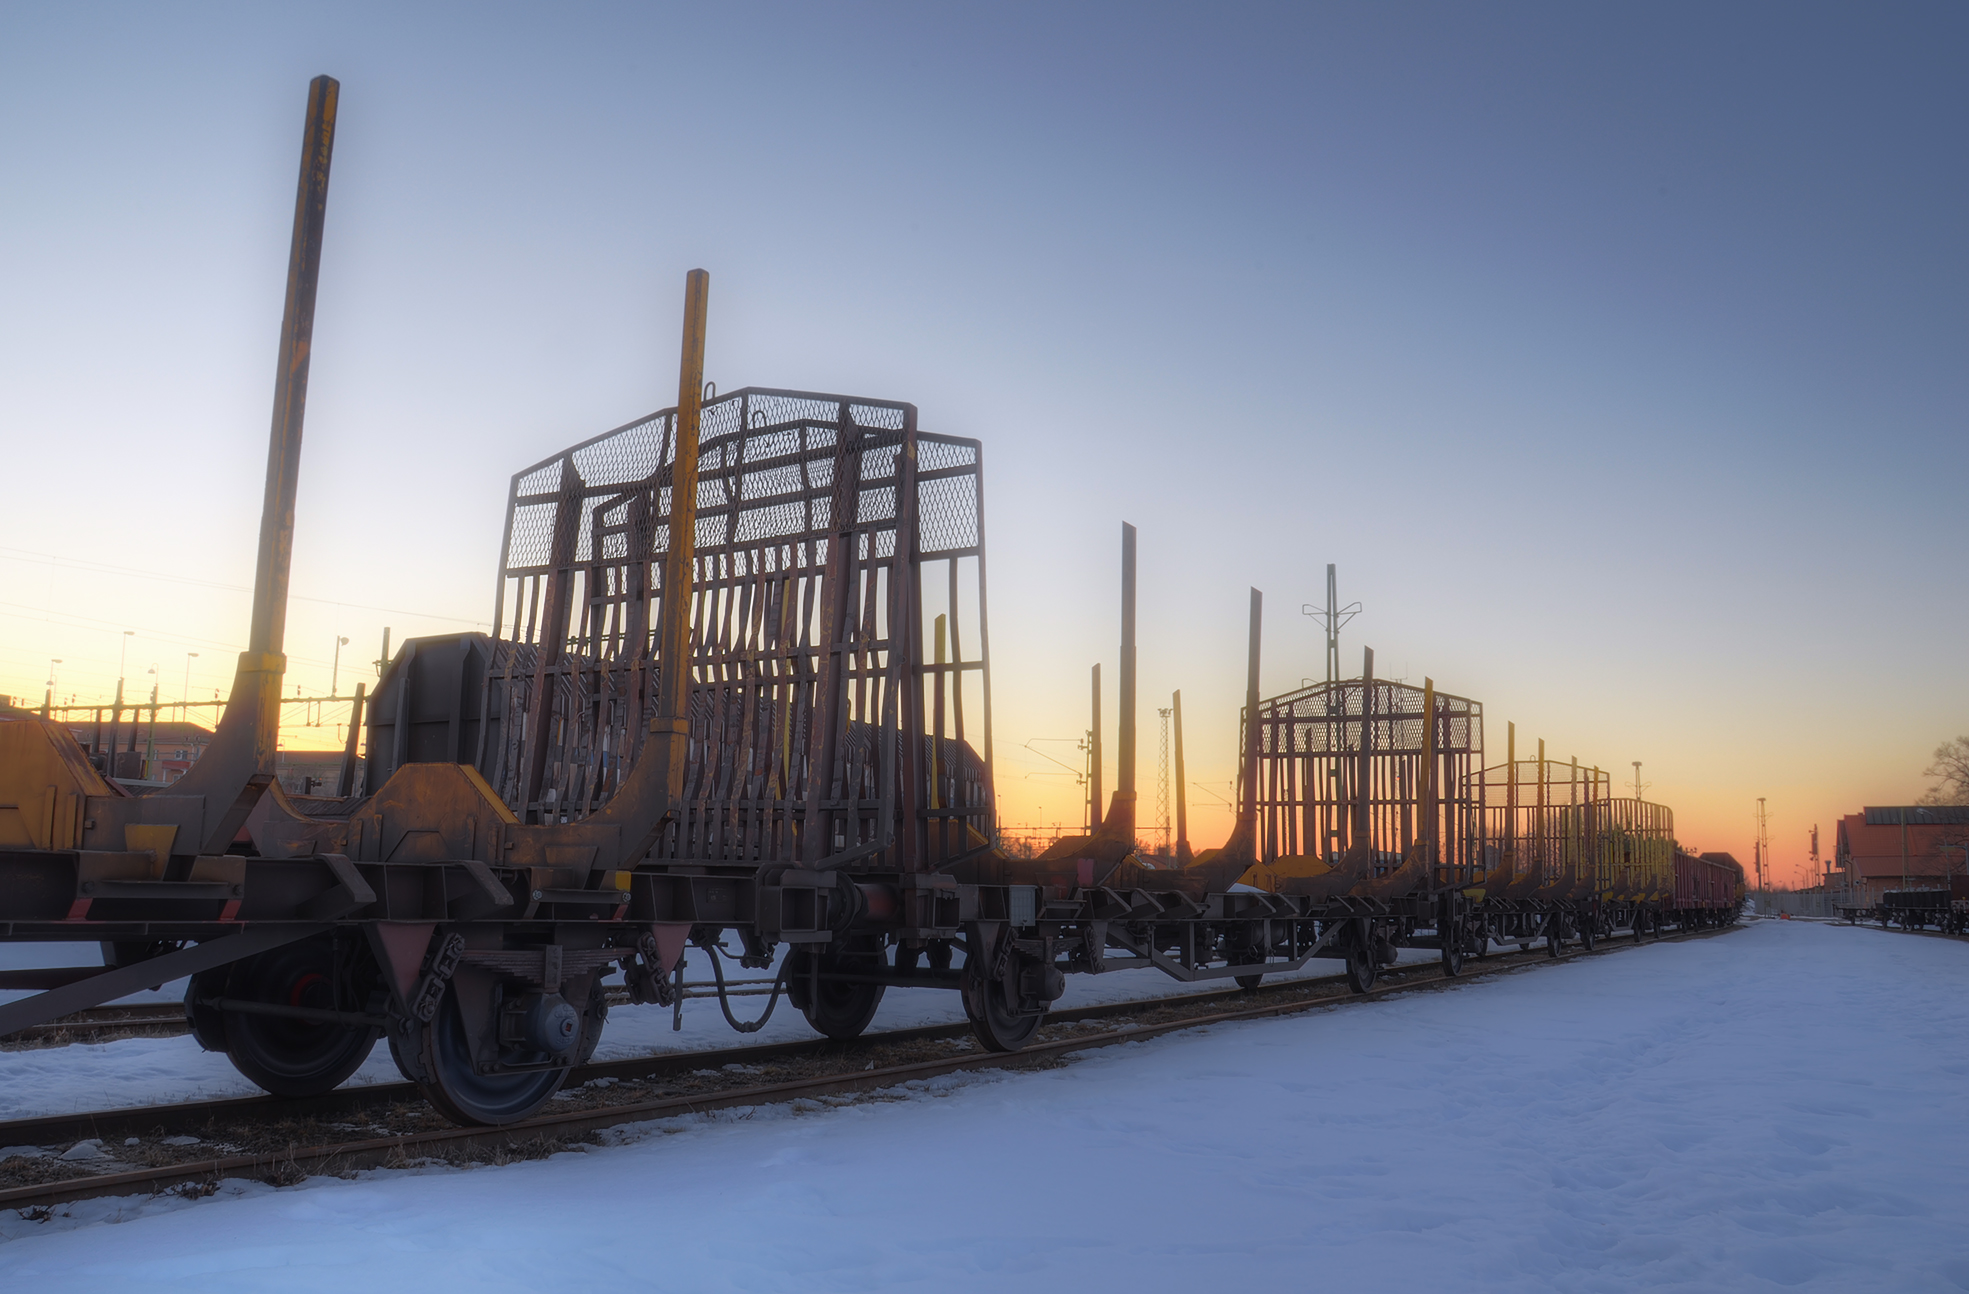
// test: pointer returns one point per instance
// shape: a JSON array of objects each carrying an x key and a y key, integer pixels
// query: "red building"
[
  {"x": 1912, "y": 847},
  {"x": 173, "y": 745}
]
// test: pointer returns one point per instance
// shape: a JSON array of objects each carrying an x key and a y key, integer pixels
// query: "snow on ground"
[
  {"x": 1776, "y": 1108},
  {"x": 145, "y": 1071}
]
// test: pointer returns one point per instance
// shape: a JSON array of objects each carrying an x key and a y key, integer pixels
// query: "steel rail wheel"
[
  {"x": 208, "y": 1027},
  {"x": 1360, "y": 967},
  {"x": 592, "y": 1021},
  {"x": 286, "y": 1056},
  {"x": 1450, "y": 933},
  {"x": 996, "y": 1020},
  {"x": 998, "y": 984},
  {"x": 450, "y": 1078},
  {"x": 1452, "y": 951},
  {"x": 835, "y": 1009},
  {"x": 1248, "y": 982}
]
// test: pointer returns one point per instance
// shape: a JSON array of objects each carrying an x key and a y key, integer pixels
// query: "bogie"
[{"x": 290, "y": 1055}]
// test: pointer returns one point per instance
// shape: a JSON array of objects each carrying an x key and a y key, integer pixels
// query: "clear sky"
[{"x": 1615, "y": 353}]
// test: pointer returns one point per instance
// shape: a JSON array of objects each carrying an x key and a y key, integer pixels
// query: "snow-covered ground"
[
  {"x": 146, "y": 1071},
  {"x": 1776, "y": 1108}
]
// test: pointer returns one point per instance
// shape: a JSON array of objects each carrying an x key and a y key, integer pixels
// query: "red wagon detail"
[{"x": 1707, "y": 882}]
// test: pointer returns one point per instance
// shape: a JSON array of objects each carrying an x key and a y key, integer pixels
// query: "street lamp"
[
  {"x": 335, "y": 670},
  {"x": 150, "y": 741},
  {"x": 116, "y": 714},
  {"x": 190, "y": 656}
]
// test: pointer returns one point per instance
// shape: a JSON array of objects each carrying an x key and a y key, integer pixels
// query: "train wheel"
[
  {"x": 837, "y": 1010},
  {"x": 1360, "y": 968},
  {"x": 592, "y": 1021},
  {"x": 208, "y": 1027},
  {"x": 1249, "y": 982},
  {"x": 1451, "y": 932},
  {"x": 1586, "y": 934},
  {"x": 1554, "y": 939},
  {"x": 451, "y": 1081},
  {"x": 996, "y": 1020},
  {"x": 285, "y": 1056}
]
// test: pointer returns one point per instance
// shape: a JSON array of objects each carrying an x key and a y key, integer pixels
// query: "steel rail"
[
  {"x": 168, "y": 1018},
  {"x": 153, "y": 1016},
  {"x": 373, "y": 1152},
  {"x": 131, "y": 1120}
]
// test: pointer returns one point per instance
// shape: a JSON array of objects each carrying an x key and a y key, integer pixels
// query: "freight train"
[
  {"x": 1945, "y": 909},
  {"x": 738, "y": 699}
]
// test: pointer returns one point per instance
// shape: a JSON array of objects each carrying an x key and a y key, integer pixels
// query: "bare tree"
[{"x": 1951, "y": 769}]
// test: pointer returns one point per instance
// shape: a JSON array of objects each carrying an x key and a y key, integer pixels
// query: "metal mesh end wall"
[
  {"x": 1549, "y": 823},
  {"x": 808, "y": 630},
  {"x": 1341, "y": 765},
  {"x": 1634, "y": 849}
]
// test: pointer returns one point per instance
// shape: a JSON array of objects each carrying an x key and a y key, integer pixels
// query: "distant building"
[
  {"x": 173, "y": 745},
  {"x": 164, "y": 752},
  {"x": 1915, "y": 846}
]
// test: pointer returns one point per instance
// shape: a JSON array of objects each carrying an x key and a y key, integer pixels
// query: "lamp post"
[
  {"x": 116, "y": 710},
  {"x": 150, "y": 742},
  {"x": 335, "y": 670},
  {"x": 185, "y": 696},
  {"x": 47, "y": 705}
]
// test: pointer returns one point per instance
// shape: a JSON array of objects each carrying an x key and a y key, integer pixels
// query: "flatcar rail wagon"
[
  {"x": 738, "y": 698},
  {"x": 1946, "y": 910}
]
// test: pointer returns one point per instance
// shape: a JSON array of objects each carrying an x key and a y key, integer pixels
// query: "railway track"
[
  {"x": 386, "y": 1124},
  {"x": 141, "y": 1020},
  {"x": 105, "y": 1023}
]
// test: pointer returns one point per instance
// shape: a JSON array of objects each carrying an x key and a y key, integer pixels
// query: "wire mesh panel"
[
  {"x": 820, "y": 520},
  {"x": 1343, "y": 768},
  {"x": 1635, "y": 851},
  {"x": 1550, "y": 822},
  {"x": 1540, "y": 818}
]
